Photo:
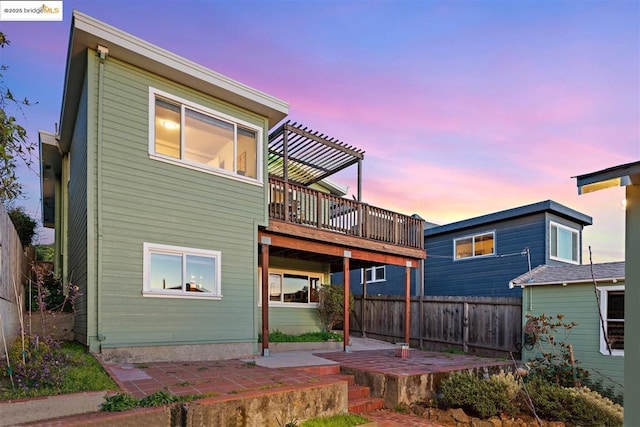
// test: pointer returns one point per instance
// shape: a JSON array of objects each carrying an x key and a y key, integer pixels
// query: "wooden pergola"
[{"x": 299, "y": 157}]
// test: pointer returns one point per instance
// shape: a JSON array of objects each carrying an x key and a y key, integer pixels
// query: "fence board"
[
  {"x": 493, "y": 325},
  {"x": 15, "y": 265}
]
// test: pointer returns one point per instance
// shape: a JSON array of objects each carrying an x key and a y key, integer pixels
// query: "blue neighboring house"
[{"x": 479, "y": 256}]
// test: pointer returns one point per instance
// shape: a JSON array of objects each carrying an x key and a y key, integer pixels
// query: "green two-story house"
[{"x": 188, "y": 215}]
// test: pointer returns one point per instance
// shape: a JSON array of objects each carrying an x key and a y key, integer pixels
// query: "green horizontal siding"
[
  {"x": 77, "y": 211},
  {"x": 578, "y": 304},
  {"x": 146, "y": 200}
]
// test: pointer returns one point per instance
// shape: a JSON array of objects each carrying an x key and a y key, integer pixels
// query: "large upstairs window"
[
  {"x": 478, "y": 245},
  {"x": 199, "y": 137},
  {"x": 563, "y": 243}
]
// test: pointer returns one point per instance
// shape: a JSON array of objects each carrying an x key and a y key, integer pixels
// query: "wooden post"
[
  {"x": 573, "y": 366},
  {"x": 345, "y": 323},
  {"x": 364, "y": 299},
  {"x": 265, "y": 295},
  {"x": 407, "y": 302},
  {"x": 465, "y": 327}
]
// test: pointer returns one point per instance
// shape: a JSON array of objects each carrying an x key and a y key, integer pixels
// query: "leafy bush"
[
  {"x": 119, "y": 402},
  {"x": 575, "y": 405},
  {"x": 554, "y": 360},
  {"x": 50, "y": 294},
  {"x": 25, "y": 225},
  {"x": 41, "y": 364},
  {"x": 331, "y": 305},
  {"x": 503, "y": 393},
  {"x": 484, "y": 398}
]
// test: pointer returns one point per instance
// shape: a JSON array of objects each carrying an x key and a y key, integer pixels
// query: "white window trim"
[
  {"x": 363, "y": 272},
  {"x": 603, "y": 308},
  {"x": 557, "y": 258},
  {"x": 288, "y": 304},
  {"x": 153, "y": 93},
  {"x": 473, "y": 244},
  {"x": 149, "y": 248}
]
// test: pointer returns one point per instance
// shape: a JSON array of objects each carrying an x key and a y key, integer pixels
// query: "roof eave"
[
  {"x": 88, "y": 33},
  {"x": 566, "y": 282},
  {"x": 617, "y": 176}
]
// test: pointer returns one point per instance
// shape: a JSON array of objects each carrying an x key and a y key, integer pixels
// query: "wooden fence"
[
  {"x": 15, "y": 265},
  {"x": 482, "y": 325}
]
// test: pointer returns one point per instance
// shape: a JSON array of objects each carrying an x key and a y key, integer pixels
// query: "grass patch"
[
  {"x": 342, "y": 420},
  {"x": 277, "y": 336},
  {"x": 83, "y": 373}
]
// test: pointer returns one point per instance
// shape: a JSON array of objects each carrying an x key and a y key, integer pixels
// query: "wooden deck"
[{"x": 293, "y": 206}]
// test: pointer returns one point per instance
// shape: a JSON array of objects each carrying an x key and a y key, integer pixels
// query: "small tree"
[
  {"x": 555, "y": 362},
  {"x": 25, "y": 225},
  {"x": 14, "y": 145},
  {"x": 331, "y": 305}
]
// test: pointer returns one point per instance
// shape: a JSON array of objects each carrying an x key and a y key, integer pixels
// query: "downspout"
[{"x": 102, "y": 55}]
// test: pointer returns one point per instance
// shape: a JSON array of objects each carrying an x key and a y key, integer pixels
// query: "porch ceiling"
[
  {"x": 309, "y": 156},
  {"x": 335, "y": 262}
]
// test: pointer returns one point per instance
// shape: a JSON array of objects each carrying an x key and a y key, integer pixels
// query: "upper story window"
[
  {"x": 199, "y": 137},
  {"x": 374, "y": 274},
  {"x": 478, "y": 245},
  {"x": 174, "y": 271},
  {"x": 563, "y": 243},
  {"x": 612, "y": 307}
]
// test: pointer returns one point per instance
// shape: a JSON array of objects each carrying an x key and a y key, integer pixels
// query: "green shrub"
[
  {"x": 119, "y": 402},
  {"x": 484, "y": 398},
  {"x": 579, "y": 406},
  {"x": 159, "y": 398},
  {"x": 331, "y": 305}
]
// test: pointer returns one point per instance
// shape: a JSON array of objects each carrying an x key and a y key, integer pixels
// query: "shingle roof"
[{"x": 558, "y": 274}]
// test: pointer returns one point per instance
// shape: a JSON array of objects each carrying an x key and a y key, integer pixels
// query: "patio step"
[
  {"x": 365, "y": 404},
  {"x": 358, "y": 392},
  {"x": 321, "y": 369},
  {"x": 359, "y": 398}
]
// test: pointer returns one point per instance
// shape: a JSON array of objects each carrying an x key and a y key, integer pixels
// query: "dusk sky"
[{"x": 463, "y": 107}]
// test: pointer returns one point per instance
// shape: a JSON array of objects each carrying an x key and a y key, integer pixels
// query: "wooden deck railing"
[{"x": 301, "y": 205}]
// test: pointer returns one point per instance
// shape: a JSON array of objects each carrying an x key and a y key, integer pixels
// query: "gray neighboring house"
[{"x": 569, "y": 290}]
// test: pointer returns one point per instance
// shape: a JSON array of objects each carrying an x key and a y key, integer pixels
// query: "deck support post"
[
  {"x": 407, "y": 302},
  {"x": 347, "y": 292},
  {"x": 266, "y": 241}
]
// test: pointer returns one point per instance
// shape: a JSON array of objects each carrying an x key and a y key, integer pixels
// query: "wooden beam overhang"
[
  {"x": 308, "y": 238},
  {"x": 337, "y": 250}
]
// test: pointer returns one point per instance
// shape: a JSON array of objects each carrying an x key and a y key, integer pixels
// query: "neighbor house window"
[
  {"x": 374, "y": 274},
  {"x": 563, "y": 243},
  {"x": 203, "y": 138},
  {"x": 293, "y": 288},
  {"x": 174, "y": 271},
  {"x": 612, "y": 307},
  {"x": 478, "y": 245}
]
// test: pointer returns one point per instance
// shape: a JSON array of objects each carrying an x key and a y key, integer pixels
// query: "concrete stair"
[{"x": 359, "y": 396}]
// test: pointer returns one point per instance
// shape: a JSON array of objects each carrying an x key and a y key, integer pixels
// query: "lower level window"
[
  {"x": 293, "y": 288},
  {"x": 612, "y": 307},
  {"x": 180, "y": 271}
]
